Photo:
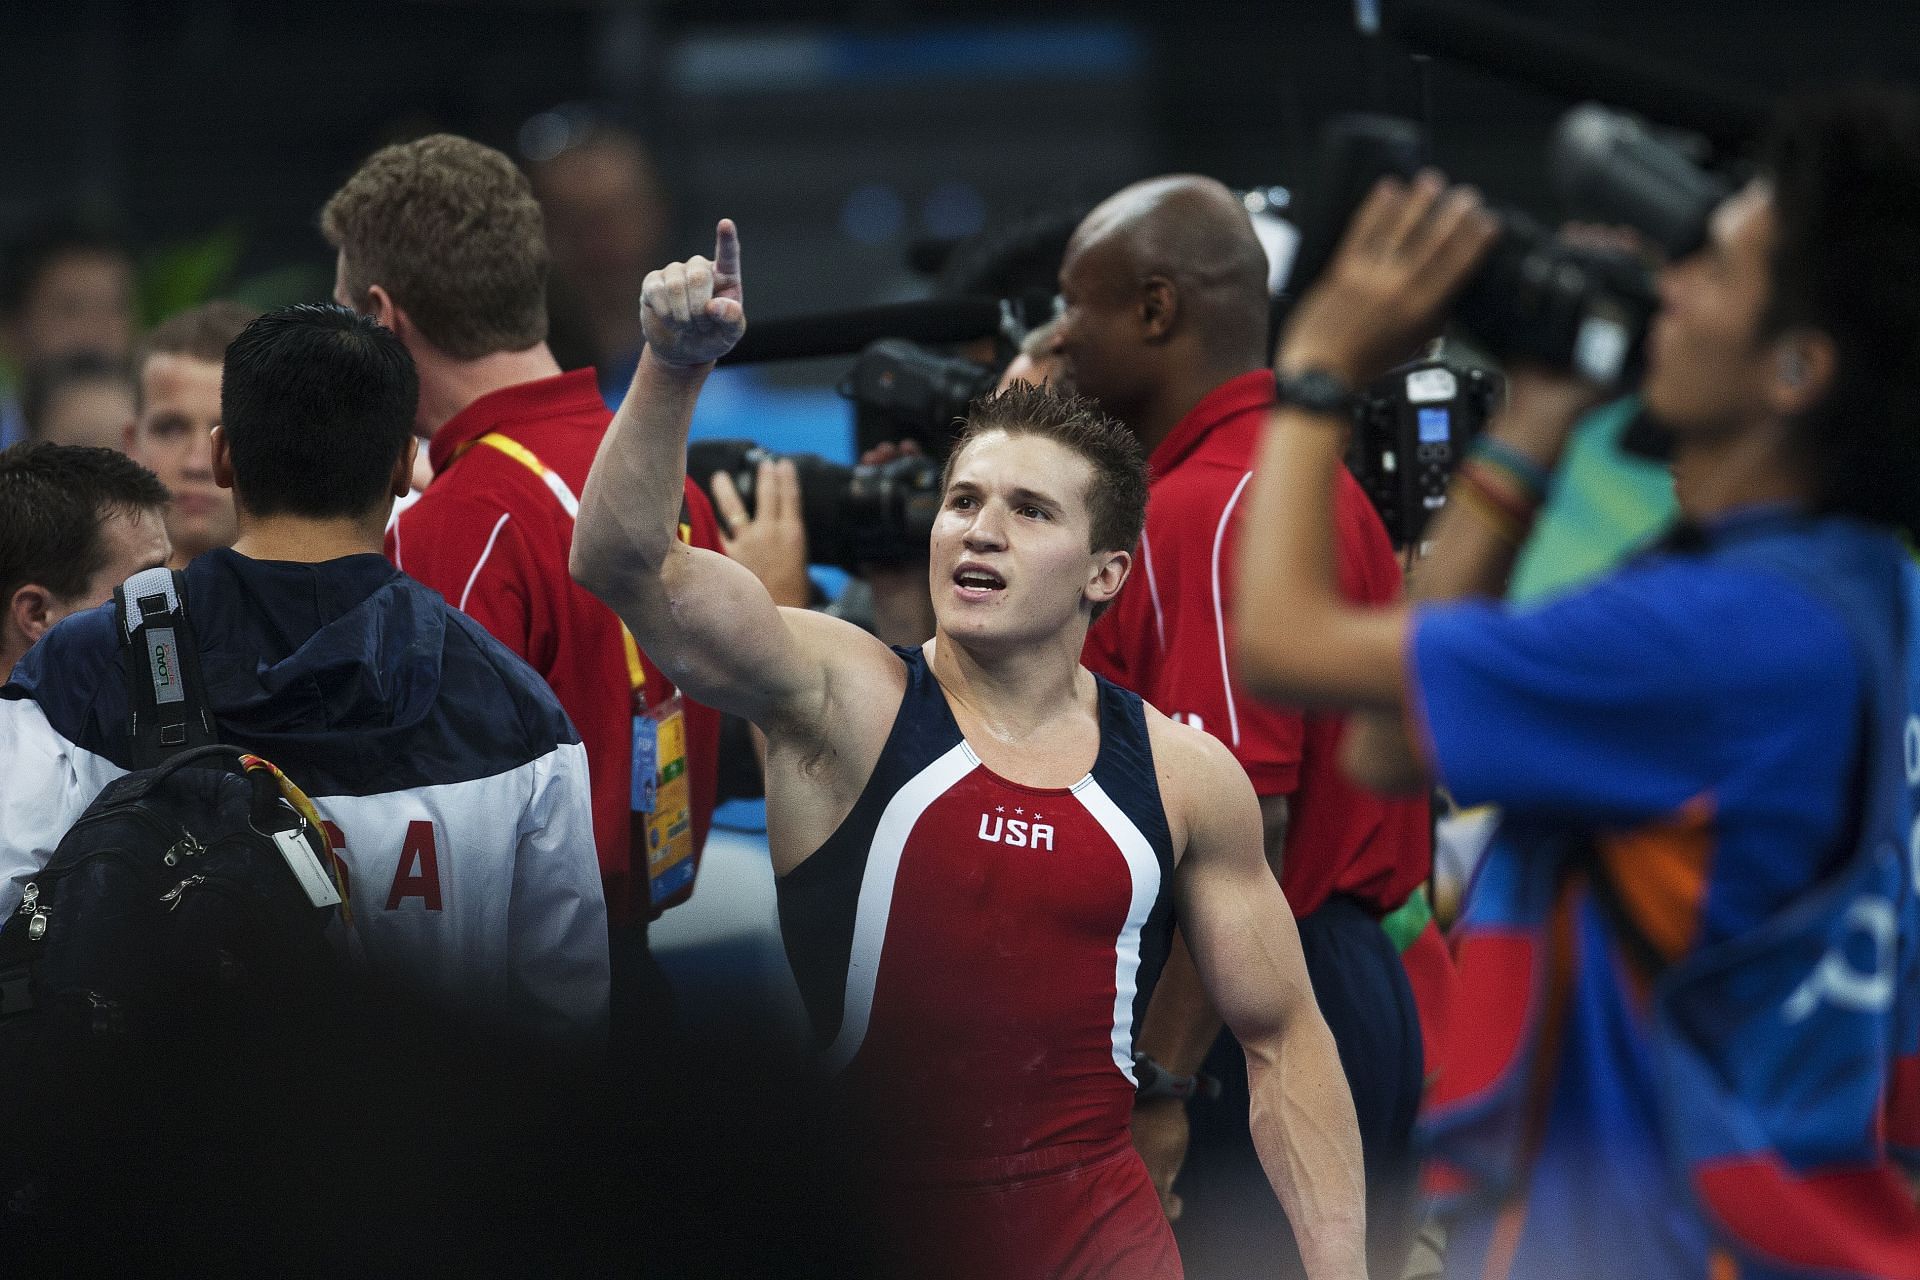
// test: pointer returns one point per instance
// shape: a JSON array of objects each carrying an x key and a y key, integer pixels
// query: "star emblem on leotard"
[
  {"x": 1017, "y": 809},
  {"x": 999, "y": 808}
]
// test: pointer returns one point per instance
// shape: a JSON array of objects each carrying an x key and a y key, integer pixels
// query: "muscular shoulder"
[
  {"x": 1200, "y": 781},
  {"x": 861, "y": 682}
]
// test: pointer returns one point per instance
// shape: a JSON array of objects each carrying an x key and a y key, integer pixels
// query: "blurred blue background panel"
[{"x": 748, "y": 403}]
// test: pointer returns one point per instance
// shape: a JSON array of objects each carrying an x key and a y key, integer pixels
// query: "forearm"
[
  {"x": 630, "y": 510},
  {"x": 705, "y": 620},
  {"x": 1288, "y": 583},
  {"x": 1299, "y": 641},
  {"x": 1181, "y": 1025},
  {"x": 1305, "y": 1130}
]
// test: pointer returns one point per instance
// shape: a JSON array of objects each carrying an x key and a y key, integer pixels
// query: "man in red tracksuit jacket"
[
  {"x": 441, "y": 240},
  {"x": 1165, "y": 324}
]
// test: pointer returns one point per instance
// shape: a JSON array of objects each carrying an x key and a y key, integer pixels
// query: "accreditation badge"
[{"x": 663, "y": 797}]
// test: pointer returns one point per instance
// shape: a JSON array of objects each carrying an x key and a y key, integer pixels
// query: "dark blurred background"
[{"x": 840, "y": 135}]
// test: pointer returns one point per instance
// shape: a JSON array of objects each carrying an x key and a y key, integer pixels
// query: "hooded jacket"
[{"x": 452, "y": 785}]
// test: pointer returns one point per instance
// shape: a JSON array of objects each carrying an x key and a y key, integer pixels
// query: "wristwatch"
[{"x": 1316, "y": 391}]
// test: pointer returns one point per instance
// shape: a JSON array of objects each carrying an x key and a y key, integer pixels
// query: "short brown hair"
[
  {"x": 450, "y": 229},
  {"x": 201, "y": 333},
  {"x": 1117, "y": 498},
  {"x": 198, "y": 333}
]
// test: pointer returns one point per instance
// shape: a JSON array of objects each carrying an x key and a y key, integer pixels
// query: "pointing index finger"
[{"x": 726, "y": 256}]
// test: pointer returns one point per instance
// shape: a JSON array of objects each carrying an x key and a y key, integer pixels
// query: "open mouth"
[{"x": 977, "y": 581}]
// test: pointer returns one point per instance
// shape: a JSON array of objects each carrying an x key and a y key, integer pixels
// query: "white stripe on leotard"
[
  {"x": 876, "y": 894},
  {"x": 1144, "y": 870}
]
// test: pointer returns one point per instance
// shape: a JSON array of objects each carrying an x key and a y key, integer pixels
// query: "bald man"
[{"x": 1165, "y": 324}]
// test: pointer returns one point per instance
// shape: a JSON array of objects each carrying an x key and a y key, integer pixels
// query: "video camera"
[
  {"x": 1536, "y": 297},
  {"x": 877, "y": 514},
  {"x": 903, "y": 391}
]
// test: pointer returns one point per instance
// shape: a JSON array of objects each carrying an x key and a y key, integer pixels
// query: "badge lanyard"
[{"x": 662, "y": 795}]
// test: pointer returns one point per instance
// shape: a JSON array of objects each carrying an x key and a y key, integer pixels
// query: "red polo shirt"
[
  {"x": 491, "y": 537},
  {"x": 1169, "y": 638}
]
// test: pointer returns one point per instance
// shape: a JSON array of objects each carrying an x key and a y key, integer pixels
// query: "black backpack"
[{"x": 199, "y": 882}]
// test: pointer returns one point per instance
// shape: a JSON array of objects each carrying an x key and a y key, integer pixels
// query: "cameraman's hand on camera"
[
  {"x": 1406, "y": 253},
  {"x": 693, "y": 312},
  {"x": 902, "y": 600},
  {"x": 772, "y": 541},
  {"x": 1542, "y": 406}
]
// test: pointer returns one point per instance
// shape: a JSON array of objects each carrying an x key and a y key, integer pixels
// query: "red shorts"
[{"x": 1052, "y": 1214}]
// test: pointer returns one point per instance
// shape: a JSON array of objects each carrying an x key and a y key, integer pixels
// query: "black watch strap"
[{"x": 1315, "y": 390}]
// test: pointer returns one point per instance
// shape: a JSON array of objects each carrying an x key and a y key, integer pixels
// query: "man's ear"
[
  {"x": 381, "y": 306},
  {"x": 222, "y": 457},
  {"x": 400, "y": 483},
  {"x": 1804, "y": 364},
  {"x": 1109, "y": 576},
  {"x": 1159, "y": 308},
  {"x": 128, "y": 434},
  {"x": 30, "y": 611}
]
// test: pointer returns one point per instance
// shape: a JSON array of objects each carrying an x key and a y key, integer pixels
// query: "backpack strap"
[{"x": 165, "y": 692}]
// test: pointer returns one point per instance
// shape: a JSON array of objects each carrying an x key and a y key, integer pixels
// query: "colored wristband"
[
  {"x": 1530, "y": 476},
  {"x": 1500, "y": 489},
  {"x": 1475, "y": 497}
]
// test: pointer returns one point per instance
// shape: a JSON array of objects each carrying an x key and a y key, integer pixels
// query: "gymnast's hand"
[{"x": 693, "y": 312}]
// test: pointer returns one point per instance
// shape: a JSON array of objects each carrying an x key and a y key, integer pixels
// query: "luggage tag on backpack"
[
  {"x": 296, "y": 850},
  {"x": 305, "y": 865},
  {"x": 663, "y": 797}
]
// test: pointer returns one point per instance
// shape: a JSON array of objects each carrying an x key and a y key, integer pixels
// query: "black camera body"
[
  {"x": 1410, "y": 430},
  {"x": 880, "y": 514},
  {"x": 1534, "y": 297},
  {"x": 903, "y": 391}
]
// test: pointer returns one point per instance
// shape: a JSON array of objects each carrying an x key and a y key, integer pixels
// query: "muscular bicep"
[
  {"x": 712, "y": 629},
  {"x": 1236, "y": 919}
]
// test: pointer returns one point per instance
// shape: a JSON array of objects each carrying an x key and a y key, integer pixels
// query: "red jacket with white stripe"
[
  {"x": 1169, "y": 639},
  {"x": 490, "y": 536}
]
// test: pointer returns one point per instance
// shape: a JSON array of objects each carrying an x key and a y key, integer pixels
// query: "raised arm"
[
  {"x": 1398, "y": 263},
  {"x": 1407, "y": 251},
  {"x": 1247, "y": 952},
  {"x": 706, "y": 621}
]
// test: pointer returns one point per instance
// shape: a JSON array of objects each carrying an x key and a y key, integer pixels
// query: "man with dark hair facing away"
[
  {"x": 1164, "y": 322},
  {"x": 441, "y": 240},
  {"x": 74, "y": 524},
  {"x": 981, "y": 845},
  {"x": 1689, "y": 1038},
  {"x": 452, "y": 788},
  {"x": 176, "y": 381}
]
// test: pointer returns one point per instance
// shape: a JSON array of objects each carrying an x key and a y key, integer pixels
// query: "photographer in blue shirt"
[{"x": 1689, "y": 1035}]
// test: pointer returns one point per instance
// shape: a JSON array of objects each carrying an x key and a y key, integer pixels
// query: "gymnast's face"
[{"x": 1011, "y": 558}]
